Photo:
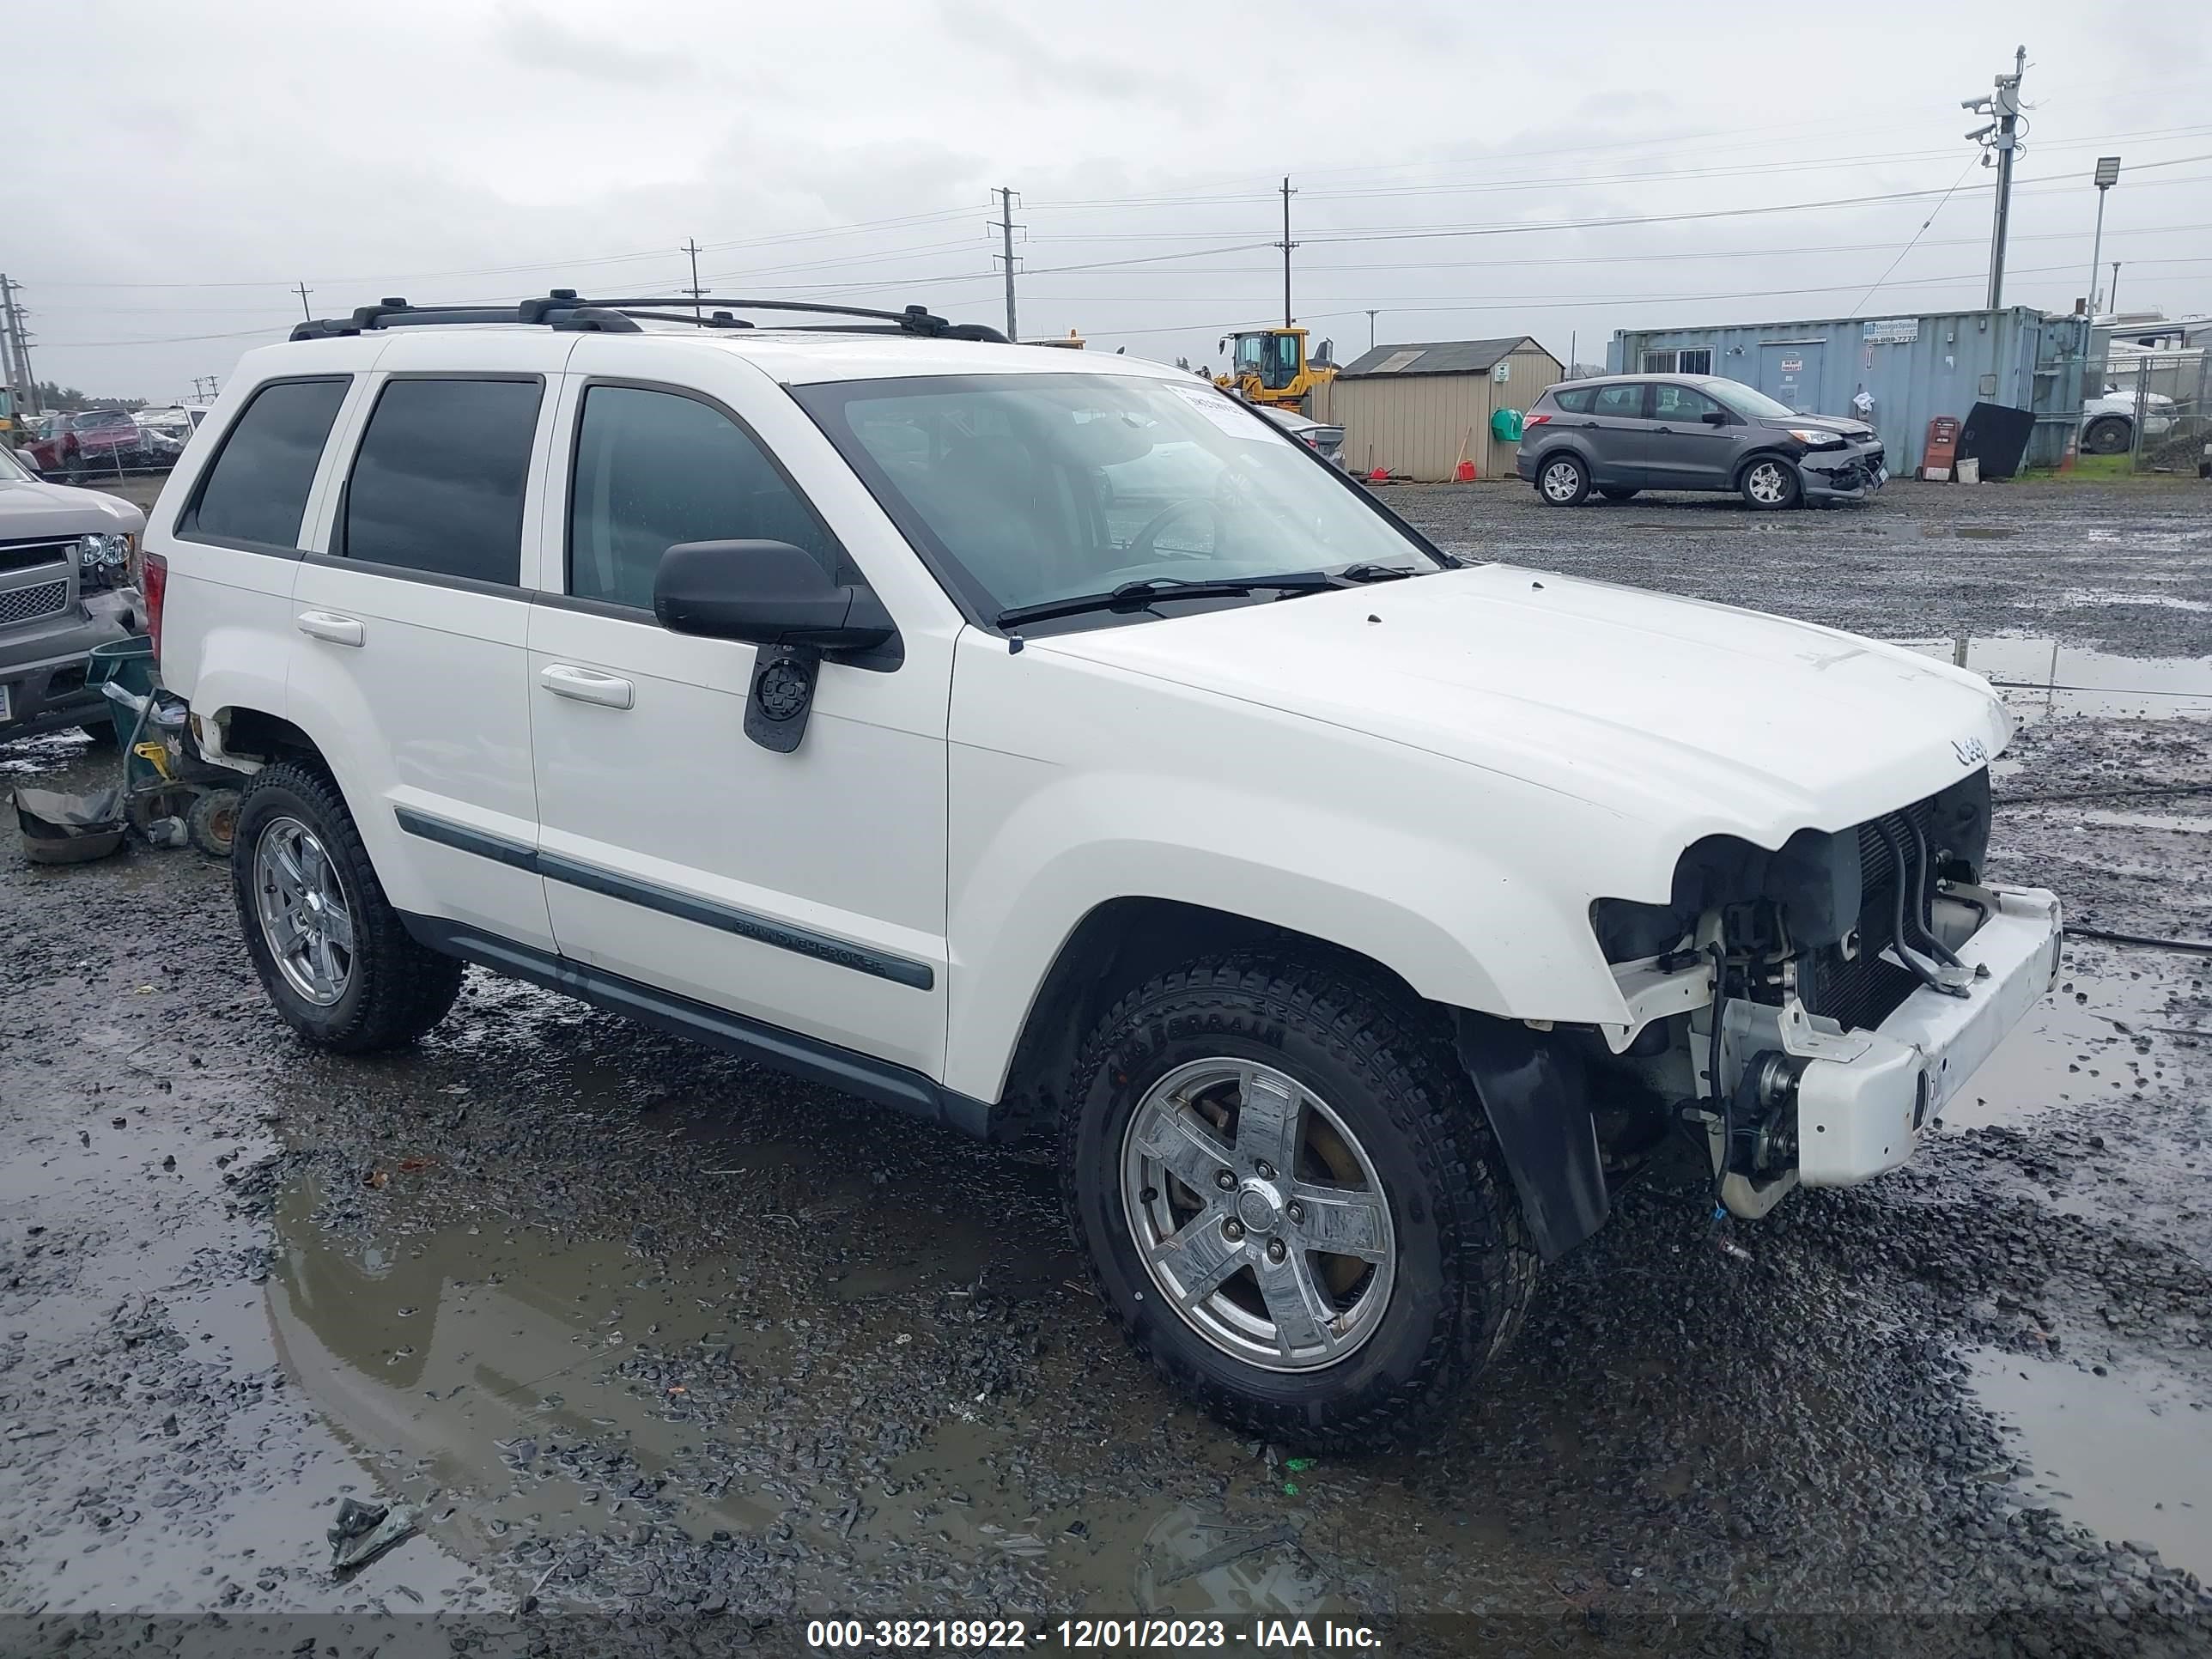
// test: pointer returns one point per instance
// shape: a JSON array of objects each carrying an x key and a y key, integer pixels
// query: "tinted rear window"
[
  {"x": 437, "y": 483},
  {"x": 256, "y": 490},
  {"x": 1576, "y": 402}
]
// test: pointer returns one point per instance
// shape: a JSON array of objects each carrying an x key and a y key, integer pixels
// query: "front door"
[
  {"x": 807, "y": 889},
  {"x": 1789, "y": 373},
  {"x": 1693, "y": 442}
]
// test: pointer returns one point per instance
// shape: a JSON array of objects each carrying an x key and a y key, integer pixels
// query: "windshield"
[
  {"x": 1251, "y": 353},
  {"x": 1754, "y": 405},
  {"x": 1031, "y": 488}
]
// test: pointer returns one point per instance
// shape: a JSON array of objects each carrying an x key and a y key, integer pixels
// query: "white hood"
[{"x": 1691, "y": 717}]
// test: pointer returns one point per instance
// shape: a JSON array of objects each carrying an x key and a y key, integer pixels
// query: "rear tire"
[
  {"x": 2108, "y": 435},
  {"x": 1617, "y": 492},
  {"x": 1563, "y": 480},
  {"x": 1351, "y": 1347},
  {"x": 1771, "y": 485},
  {"x": 377, "y": 987}
]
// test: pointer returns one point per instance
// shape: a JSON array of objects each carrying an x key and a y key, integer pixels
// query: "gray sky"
[{"x": 183, "y": 165}]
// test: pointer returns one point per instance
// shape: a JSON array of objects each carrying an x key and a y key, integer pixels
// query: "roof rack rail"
[{"x": 564, "y": 308}]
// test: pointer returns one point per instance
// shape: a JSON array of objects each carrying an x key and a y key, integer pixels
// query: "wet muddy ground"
[{"x": 661, "y": 1346}]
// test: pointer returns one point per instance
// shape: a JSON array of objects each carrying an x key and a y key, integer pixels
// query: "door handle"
[
  {"x": 587, "y": 685},
  {"x": 328, "y": 625}
]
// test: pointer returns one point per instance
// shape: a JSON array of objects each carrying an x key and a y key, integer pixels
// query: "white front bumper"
[{"x": 1860, "y": 1117}]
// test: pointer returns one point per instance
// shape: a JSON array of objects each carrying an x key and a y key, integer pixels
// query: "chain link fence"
[{"x": 2171, "y": 395}]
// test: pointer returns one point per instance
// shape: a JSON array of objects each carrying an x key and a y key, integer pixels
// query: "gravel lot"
[{"x": 669, "y": 1352}]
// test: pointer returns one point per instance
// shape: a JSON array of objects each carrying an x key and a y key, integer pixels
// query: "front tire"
[
  {"x": 332, "y": 954},
  {"x": 2108, "y": 435},
  {"x": 1771, "y": 484},
  {"x": 1291, "y": 1199},
  {"x": 1563, "y": 480}
]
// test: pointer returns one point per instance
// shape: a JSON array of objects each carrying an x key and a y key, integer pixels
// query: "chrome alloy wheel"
[
  {"x": 1258, "y": 1214},
  {"x": 1560, "y": 481},
  {"x": 1768, "y": 484},
  {"x": 306, "y": 920}
]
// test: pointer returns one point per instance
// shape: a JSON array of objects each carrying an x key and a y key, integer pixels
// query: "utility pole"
[
  {"x": 303, "y": 291},
  {"x": 13, "y": 315},
  {"x": 2002, "y": 135},
  {"x": 1370, "y": 330},
  {"x": 2108, "y": 175},
  {"x": 1007, "y": 228},
  {"x": 10, "y": 374},
  {"x": 691, "y": 247},
  {"x": 1287, "y": 244}
]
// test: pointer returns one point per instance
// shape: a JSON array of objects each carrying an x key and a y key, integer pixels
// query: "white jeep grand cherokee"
[{"x": 1039, "y": 743}]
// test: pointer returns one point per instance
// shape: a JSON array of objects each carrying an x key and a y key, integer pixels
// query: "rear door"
[
  {"x": 1618, "y": 428},
  {"x": 1686, "y": 450},
  {"x": 415, "y": 615}
]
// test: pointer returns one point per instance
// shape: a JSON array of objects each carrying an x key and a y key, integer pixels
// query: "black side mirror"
[
  {"x": 779, "y": 597},
  {"x": 767, "y": 593},
  {"x": 1718, "y": 417}
]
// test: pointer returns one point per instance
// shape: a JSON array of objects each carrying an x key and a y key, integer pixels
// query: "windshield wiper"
[
  {"x": 1136, "y": 596},
  {"x": 1375, "y": 573}
]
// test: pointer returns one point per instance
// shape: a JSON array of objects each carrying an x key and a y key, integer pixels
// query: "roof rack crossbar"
[{"x": 565, "y": 308}]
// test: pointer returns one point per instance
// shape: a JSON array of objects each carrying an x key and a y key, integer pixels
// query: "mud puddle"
[
  {"x": 2040, "y": 677},
  {"x": 2127, "y": 1453},
  {"x": 2100, "y": 1039}
]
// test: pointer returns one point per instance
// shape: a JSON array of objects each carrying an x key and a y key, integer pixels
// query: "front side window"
[
  {"x": 255, "y": 492},
  {"x": 438, "y": 482},
  {"x": 1680, "y": 403},
  {"x": 656, "y": 468},
  {"x": 1032, "y": 488}
]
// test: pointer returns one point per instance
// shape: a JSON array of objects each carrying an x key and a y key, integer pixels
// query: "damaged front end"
[{"x": 1807, "y": 1010}]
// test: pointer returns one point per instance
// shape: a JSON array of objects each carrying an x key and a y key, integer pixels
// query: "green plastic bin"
[{"x": 129, "y": 664}]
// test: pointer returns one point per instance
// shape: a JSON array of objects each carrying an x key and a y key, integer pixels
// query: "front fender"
[{"x": 1034, "y": 849}]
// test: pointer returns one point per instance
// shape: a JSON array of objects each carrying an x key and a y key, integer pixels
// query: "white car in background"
[{"x": 2108, "y": 422}]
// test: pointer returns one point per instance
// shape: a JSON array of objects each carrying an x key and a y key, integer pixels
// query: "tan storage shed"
[{"x": 1411, "y": 407}]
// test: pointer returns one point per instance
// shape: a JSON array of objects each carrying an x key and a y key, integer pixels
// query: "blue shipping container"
[{"x": 1911, "y": 369}]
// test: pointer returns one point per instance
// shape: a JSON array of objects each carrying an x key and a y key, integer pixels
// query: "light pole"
[{"x": 2108, "y": 175}]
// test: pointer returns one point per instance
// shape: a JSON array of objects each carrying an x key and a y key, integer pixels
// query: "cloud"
[{"x": 535, "y": 41}]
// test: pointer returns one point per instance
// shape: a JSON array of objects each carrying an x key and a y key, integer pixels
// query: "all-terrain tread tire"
[
  {"x": 1486, "y": 1261},
  {"x": 400, "y": 989}
]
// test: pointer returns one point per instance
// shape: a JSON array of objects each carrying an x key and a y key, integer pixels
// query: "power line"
[{"x": 1917, "y": 235}]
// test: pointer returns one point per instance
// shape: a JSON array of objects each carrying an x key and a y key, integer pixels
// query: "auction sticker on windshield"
[{"x": 1217, "y": 409}]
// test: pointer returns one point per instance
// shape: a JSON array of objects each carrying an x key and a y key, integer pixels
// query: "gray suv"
[{"x": 1628, "y": 433}]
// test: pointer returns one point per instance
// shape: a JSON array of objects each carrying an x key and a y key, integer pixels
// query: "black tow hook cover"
[{"x": 782, "y": 696}]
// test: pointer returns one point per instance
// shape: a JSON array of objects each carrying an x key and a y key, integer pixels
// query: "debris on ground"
[{"x": 365, "y": 1531}]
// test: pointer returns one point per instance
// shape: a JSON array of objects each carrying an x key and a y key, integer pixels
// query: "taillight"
[
  {"x": 1536, "y": 420},
  {"x": 157, "y": 589}
]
